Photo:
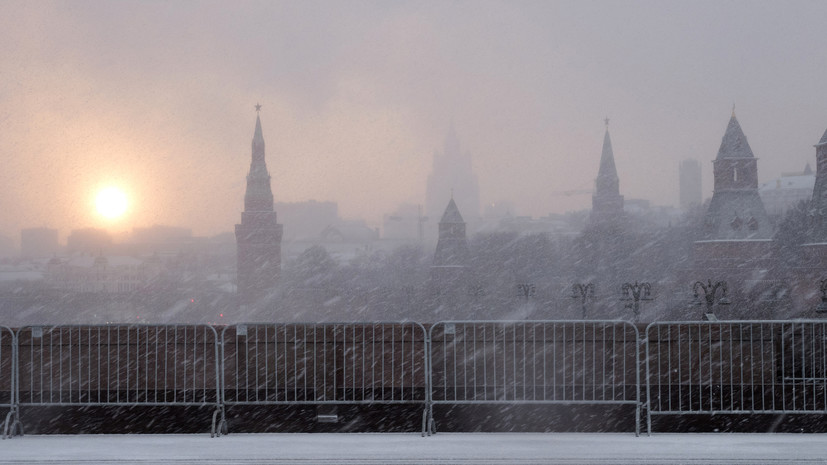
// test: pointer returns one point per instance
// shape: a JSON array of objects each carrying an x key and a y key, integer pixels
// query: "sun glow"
[{"x": 111, "y": 203}]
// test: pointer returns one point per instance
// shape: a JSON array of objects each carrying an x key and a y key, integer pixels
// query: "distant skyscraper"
[
  {"x": 690, "y": 183},
  {"x": 607, "y": 203},
  {"x": 452, "y": 173},
  {"x": 736, "y": 210},
  {"x": 258, "y": 237}
]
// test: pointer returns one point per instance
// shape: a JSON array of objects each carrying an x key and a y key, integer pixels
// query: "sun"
[{"x": 111, "y": 203}]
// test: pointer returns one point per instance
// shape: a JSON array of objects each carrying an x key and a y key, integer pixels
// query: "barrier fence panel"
[
  {"x": 118, "y": 365},
  {"x": 8, "y": 379},
  {"x": 535, "y": 362},
  {"x": 324, "y": 363},
  {"x": 736, "y": 367}
]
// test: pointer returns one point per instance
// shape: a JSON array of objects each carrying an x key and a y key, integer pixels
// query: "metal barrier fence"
[
  {"x": 691, "y": 368},
  {"x": 8, "y": 379},
  {"x": 736, "y": 367},
  {"x": 534, "y": 362},
  {"x": 323, "y": 364},
  {"x": 111, "y": 365}
]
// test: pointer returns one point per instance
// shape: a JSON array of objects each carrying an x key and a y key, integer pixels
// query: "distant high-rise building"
[
  {"x": 92, "y": 241},
  {"x": 258, "y": 237},
  {"x": 452, "y": 176},
  {"x": 690, "y": 184},
  {"x": 38, "y": 242},
  {"x": 607, "y": 203}
]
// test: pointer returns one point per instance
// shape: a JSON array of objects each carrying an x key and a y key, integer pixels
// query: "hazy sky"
[{"x": 157, "y": 97}]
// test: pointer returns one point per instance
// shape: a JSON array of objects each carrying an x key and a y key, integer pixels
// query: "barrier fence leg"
[
  {"x": 216, "y": 423},
  {"x": 12, "y": 426},
  {"x": 637, "y": 420}
]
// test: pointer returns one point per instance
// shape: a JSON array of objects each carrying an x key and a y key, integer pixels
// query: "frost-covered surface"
[{"x": 500, "y": 448}]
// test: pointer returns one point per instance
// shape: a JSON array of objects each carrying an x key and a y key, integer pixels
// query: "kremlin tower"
[{"x": 258, "y": 237}]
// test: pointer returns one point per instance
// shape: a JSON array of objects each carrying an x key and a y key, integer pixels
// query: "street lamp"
[
  {"x": 636, "y": 292},
  {"x": 709, "y": 296},
  {"x": 582, "y": 291},
  {"x": 822, "y": 307},
  {"x": 526, "y": 290}
]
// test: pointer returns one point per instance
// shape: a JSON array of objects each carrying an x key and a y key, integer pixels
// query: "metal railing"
[
  {"x": 113, "y": 365},
  {"x": 534, "y": 362},
  {"x": 8, "y": 380},
  {"x": 691, "y": 368},
  {"x": 323, "y": 364},
  {"x": 736, "y": 367}
]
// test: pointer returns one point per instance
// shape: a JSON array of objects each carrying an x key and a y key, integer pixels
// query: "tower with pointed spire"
[
  {"x": 452, "y": 172},
  {"x": 258, "y": 237},
  {"x": 449, "y": 272},
  {"x": 736, "y": 211},
  {"x": 607, "y": 203},
  {"x": 736, "y": 242},
  {"x": 452, "y": 247},
  {"x": 818, "y": 203}
]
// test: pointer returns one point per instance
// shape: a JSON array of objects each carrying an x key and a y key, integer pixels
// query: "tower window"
[{"x": 735, "y": 174}]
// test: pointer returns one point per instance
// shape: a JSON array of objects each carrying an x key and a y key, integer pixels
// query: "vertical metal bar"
[
  {"x": 505, "y": 363},
  {"x": 524, "y": 362},
  {"x": 364, "y": 354},
  {"x": 544, "y": 361},
  {"x": 582, "y": 369},
  {"x": 484, "y": 361},
  {"x": 563, "y": 362},
  {"x": 401, "y": 386},
  {"x": 277, "y": 385},
  {"x": 534, "y": 361},
  {"x": 741, "y": 362},
  {"x": 812, "y": 371},
  {"x": 464, "y": 362},
  {"x": 823, "y": 373},
  {"x": 763, "y": 373},
  {"x": 711, "y": 370},
  {"x": 593, "y": 358},
  {"x": 677, "y": 372},
  {"x": 324, "y": 362},
  {"x": 287, "y": 369},
  {"x": 295, "y": 361},
  {"x": 373, "y": 360}
]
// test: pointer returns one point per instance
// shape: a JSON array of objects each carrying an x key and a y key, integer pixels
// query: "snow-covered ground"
[{"x": 492, "y": 448}]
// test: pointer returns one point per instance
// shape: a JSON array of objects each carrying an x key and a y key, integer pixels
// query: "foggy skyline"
[{"x": 157, "y": 98}]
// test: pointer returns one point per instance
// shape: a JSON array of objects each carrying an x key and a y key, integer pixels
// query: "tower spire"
[
  {"x": 258, "y": 237},
  {"x": 607, "y": 203}
]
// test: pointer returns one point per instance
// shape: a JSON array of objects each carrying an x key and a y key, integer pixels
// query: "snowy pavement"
[{"x": 457, "y": 448}]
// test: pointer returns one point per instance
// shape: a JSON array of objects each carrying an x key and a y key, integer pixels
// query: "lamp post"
[
  {"x": 582, "y": 291},
  {"x": 636, "y": 292},
  {"x": 710, "y": 290},
  {"x": 526, "y": 290},
  {"x": 822, "y": 307}
]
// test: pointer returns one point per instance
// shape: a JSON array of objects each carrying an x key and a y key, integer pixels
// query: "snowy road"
[{"x": 465, "y": 449}]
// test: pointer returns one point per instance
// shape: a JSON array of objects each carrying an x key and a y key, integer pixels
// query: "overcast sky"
[{"x": 157, "y": 98}]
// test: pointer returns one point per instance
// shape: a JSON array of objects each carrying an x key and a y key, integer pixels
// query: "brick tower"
[{"x": 258, "y": 237}]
